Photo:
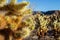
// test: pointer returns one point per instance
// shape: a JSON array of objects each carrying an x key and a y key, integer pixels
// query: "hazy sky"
[{"x": 44, "y": 5}]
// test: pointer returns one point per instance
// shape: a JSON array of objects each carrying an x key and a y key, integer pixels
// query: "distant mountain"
[{"x": 47, "y": 12}]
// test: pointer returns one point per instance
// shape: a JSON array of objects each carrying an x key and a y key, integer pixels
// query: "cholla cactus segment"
[
  {"x": 2, "y": 22},
  {"x": 27, "y": 12},
  {"x": 13, "y": 21},
  {"x": 21, "y": 6},
  {"x": 56, "y": 25},
  {"x": 2, "y": 3},
  {"x": 29, "y": 22},
  {"x": 13, "y": 1},
  {"x": 25, "y": 32}
]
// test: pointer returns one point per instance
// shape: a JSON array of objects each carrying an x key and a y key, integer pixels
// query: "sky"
[{"x": 44, "y": 5}]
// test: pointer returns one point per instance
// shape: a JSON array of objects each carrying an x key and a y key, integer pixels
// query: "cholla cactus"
[
  {"x": 16, "y": 13},
  {"x": 43, "y": 22}
]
